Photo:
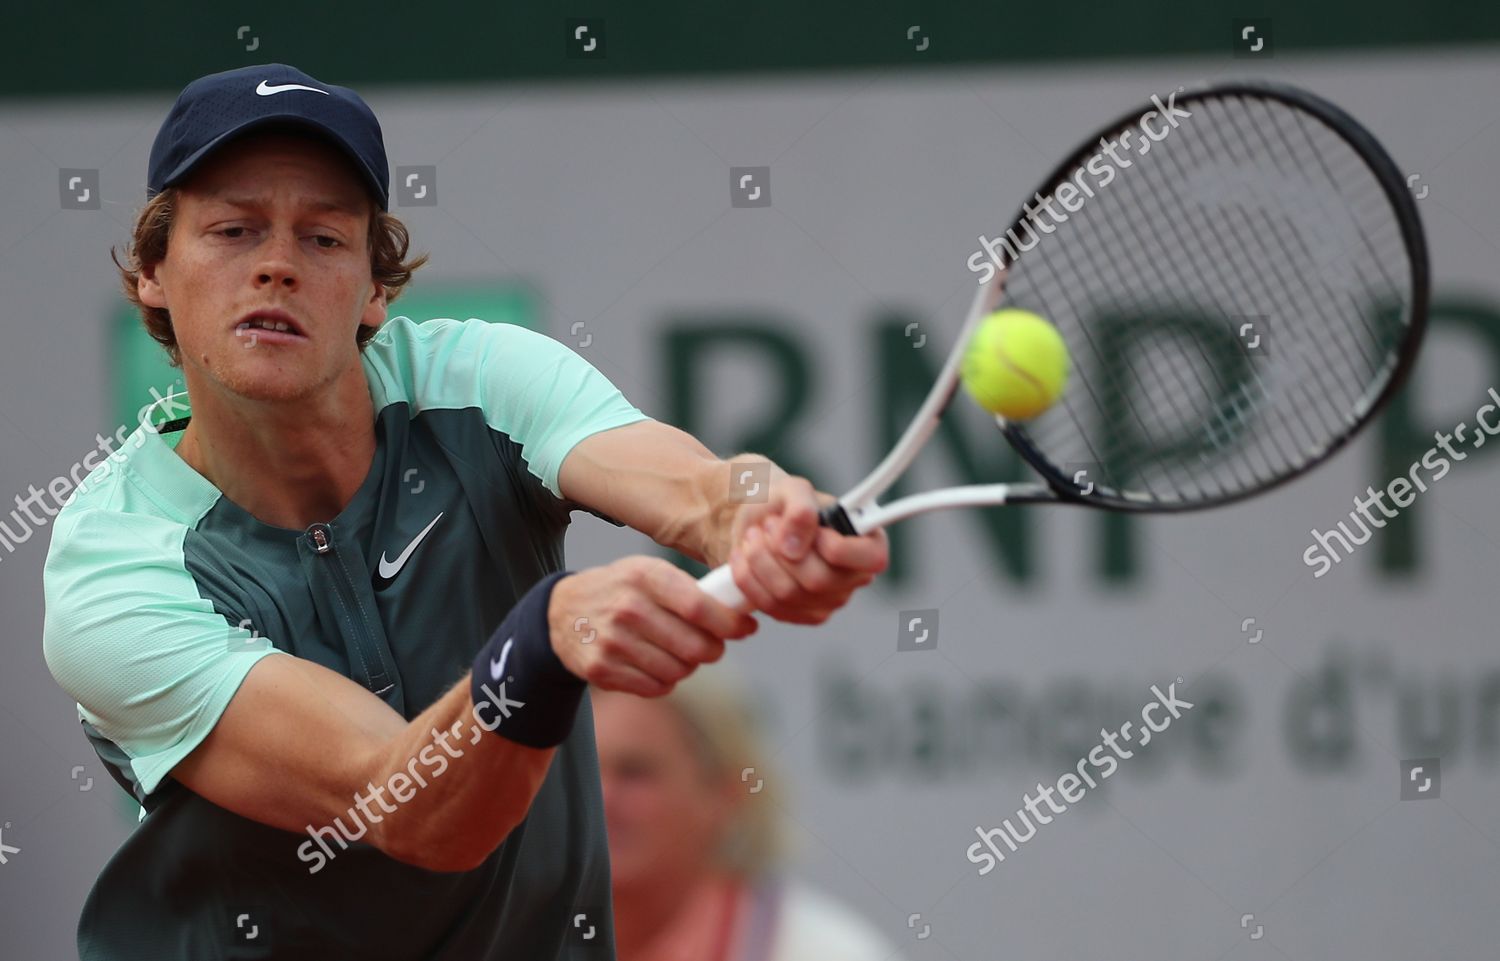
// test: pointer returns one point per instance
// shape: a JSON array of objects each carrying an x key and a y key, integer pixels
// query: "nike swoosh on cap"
[
  {"x": 388, "y": 569},
  {"x": 497, "y": 665},
  {"x": 265, "y": 88}
]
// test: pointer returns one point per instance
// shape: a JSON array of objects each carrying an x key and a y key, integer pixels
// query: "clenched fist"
[{"x": 639, "y": 625}]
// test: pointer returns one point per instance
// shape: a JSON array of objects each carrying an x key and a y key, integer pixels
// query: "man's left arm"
[{"x": 663, "y": 482}]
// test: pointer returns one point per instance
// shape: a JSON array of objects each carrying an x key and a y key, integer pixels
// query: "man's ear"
[
  {"x": 148, "y": 286},
  {"x": 374, "y": 312}
]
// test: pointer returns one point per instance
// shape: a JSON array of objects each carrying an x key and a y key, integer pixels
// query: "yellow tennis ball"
[{"x": 1016, "y": 365}]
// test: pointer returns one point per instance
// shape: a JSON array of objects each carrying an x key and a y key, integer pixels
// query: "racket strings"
[
  {"x": 1381, "y": 260},
  {"x": 1095, "y": 462},
  {"x": 1276, "y": 256},
  {"x": 1176, "y": 385},
  {"x": 1366, "y": 348},
  {"x": 1377, "y": 349},
  {"x": 1221, "y": 389},
  {"x": 1376, "y": 259},
  {"x": 1375, "y": 262},
  {"x": 1227, "y": 300},
  {"x": 1283, "y": 262},
  {"x": 1154, "y": 413}
]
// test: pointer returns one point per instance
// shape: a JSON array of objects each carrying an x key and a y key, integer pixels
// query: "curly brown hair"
[{"x": 388, "y": 242}]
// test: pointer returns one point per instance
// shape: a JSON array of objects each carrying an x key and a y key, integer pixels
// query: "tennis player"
[{"x": 322, "y": 629}]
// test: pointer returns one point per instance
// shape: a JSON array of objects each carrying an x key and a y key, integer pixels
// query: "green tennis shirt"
[{"x": 161, "y": 594}]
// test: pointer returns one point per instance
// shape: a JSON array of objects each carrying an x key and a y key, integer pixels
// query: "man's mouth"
[{"x": 268, "y": 326}]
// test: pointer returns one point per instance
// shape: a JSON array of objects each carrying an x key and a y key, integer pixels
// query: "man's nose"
[{"x": 277, "y": 267}]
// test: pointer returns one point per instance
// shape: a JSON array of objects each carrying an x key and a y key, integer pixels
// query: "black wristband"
[{"x": 519, "y": 687}]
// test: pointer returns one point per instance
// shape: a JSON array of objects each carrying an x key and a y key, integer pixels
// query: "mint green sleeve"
[
  {"x": 149, "y": 661},
  {"x": 530, "y": 387},
  {"x": 546, "y": 397}
]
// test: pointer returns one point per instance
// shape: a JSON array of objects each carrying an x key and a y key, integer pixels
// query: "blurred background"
[{"x": 581, "y": 171}]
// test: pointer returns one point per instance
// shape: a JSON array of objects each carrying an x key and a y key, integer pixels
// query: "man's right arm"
[{"x": 299, "y": 744}]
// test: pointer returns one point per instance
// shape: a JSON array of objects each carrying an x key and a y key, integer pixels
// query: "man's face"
[{"x": 274, "y": 222}]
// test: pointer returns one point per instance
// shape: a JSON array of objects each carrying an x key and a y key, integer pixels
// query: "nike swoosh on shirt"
[
  {"x": 497, "y": 665},
  {"x": 389, "y": 569},
  {"x": 266, "y": 89}
]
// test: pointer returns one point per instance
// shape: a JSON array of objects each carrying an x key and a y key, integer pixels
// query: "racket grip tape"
[{"x": 834, "y": 516}]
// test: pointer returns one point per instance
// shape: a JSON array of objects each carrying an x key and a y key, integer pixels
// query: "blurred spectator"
[{"x": 693, "y": 847}]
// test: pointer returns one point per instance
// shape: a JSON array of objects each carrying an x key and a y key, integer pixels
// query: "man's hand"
[
  {"x": 790, "y": 567},
  {"x": 639, "y": 625},
  {"x": 662, "y": 481}
]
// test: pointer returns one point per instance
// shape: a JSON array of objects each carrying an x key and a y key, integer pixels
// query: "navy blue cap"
[{"x": 220, "y": 106}]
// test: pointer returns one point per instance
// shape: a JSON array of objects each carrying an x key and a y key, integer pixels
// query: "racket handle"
[{"x": 719, "y": 584}]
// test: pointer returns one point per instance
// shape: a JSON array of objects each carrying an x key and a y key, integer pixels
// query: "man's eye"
[
  {"x": 230, "y": 232},
  {"x": 332, "y": 241}
]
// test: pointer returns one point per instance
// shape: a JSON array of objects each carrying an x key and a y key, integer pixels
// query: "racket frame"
[
  {"x": 1392, "y": 184},
  {"x": 859, "y": 512}
]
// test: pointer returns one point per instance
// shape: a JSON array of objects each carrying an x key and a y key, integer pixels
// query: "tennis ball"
[{"x": 1016, "y": 364}]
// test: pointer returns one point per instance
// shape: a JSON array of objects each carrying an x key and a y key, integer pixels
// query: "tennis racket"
[{"x": 1240, "y": 297}]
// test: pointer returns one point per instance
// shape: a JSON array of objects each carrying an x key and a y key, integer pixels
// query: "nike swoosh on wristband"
[
  {"x": 389, "y": 569},
  {"x": 497, "y": 666},
  {"x": 266, "y": 89}
]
